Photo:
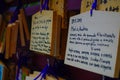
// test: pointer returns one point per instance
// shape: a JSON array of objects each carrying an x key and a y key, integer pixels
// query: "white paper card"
[{"x": 93, "y": 42}]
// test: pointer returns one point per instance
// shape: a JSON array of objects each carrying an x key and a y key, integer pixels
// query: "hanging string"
[
  {"x": 18, "y": 68},
  {"x": 44, "y": 6},
  {"x": 94, "y": 5},
  {"x": 16, "y": 12},
  {"x": 22, "y": 59},
  {"x": 103, "y": 78},
  {"x": 43, "y": 72}
]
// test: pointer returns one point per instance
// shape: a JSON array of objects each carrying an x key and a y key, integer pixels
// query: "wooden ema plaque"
[
  {"x": 86, "y": 5},
  {"x": 7, "y": 41},
  {"x": 25, "y": 24},
  {"x": 109, "y": 5},
  {"x": 2, "y": 36},
  {"x": 11, "y": 39},
  {"x": 45, "y": 33},
  {"x": 14, "y": 36},
  {"x": 104, "y": 5},
  {"x": 59, "y": 7},
  {"x": 21, "y": 30},
  {"x": 93, "y": 43}
]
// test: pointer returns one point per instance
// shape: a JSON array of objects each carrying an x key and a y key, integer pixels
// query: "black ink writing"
[
  {"x": 41, "y": 22},
  {"x": 41, "y": 35},
  {"x": 80, "y": 28},
  {"x": 76, "y": 20}
]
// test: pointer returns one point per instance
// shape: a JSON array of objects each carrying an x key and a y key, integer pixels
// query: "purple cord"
[{"x": 94, "y": 5}]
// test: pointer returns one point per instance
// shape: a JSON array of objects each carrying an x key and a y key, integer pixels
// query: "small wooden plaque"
[{"x": 44, "y": 31}]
